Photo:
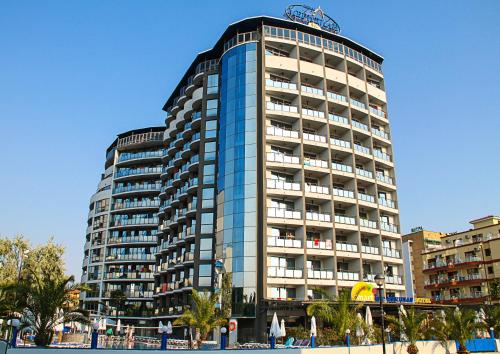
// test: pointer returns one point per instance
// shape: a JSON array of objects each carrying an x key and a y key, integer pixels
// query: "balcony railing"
[
  {"x": 346, "y": 247},
  {"x": 273, "y": 241},
  {"x": 135, "y": 204},
  {"x": 135, "y": 221},
  {"x": 367, "y": 223},
  {"x": 313, "y": 113},
  {"x": 281, "y": 107},
  {"x": 284, "y": 213},
  {"x": 357, "y": 103},
  {"x": 394, "y": 279},
  {"x": 366, "y": 197},
  {"x": 343, "y": 193},
  {"x": 369, "y": 277},
  {"x": 346, "y": 275},
  {"x": 125, "y": 156},
  {"x": 341, "y": 167},
  {"x": 361, "y": 149},
  {"x": 359, "y": 125},
  {"x": 319, "y": 245},
  {"x": 132, "y": 239},
  {"x": 282, "y": 272},
  {"x": 285, "y": 133},
  {"x": 314, "y": 137},
  {"x": 390, "y": 252},
  {"x": 369, "y": 249},
  {"x": 380, "y": 133},
  {"x": 130, "y": 257},
  {"x": 340, "y": 219},
  {"x": 387, "y": 202},
  {"x": 323, "y": 274},
  {"x": 388, "y": 227},
  {"x": 364, "y": 173},
  {"x": 381, "y": 155},
  {"x": 281, "y": 84},
  {"x": 128, "y": 275},
  {"x": 315, "y": 216},
  {"x": 338, "y": 119},
  {"x": 385, "y": 179},
  {"x": 283, "y": 158},
  {"x": 378, "y": 112},
  {"x": 336, "y": 96},
  {"x": 312, "y": 188},
  {"x": 284, "y": 185},
  {"x": 139, "y": 187},
  {"x": 341, "y": 143},
  {"x": 315, "y": 163},
  {"x": 312, "y": 90}
]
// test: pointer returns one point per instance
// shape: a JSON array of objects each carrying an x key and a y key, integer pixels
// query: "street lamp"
[
  {"x": 380, "y": 280},
  {"x": 223, "y": 332}
]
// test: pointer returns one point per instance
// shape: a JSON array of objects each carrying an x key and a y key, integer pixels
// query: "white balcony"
[
  {"x": 336, "y": 96},
  {"x": 390, "y": 252},
  {"x": 346, "y": 247},
  {"x": 314, "y": 138},
  {"x": 362, "y": 149},
  {"x": 271, "y": 106},
  {"x": 359, "y": 125},
  {"x": 283, "y": 185},
  {"x": 319, "y": 274},
  {"x": 311, "y": 188},
  {"x": 345, "y": 275},
  {"x": 276, "y": 131},
  {"x": 388, "y": 227},
  {"x": 273, "y": 241},
  {"x": 311, "y": 90},
  {"x": 282, "y": 158},
  {"x": 313, "y": 113},
  {"x": 394, "y": 279},
  {"x": 340, "y": 219},
  {"x": 315, "y": 163},
  {"x": 319, "y": 245},
  {"x": 314, "y": 216},
  {"x": 340, "y": 143},
  {"x": 281, "y": 272},
  {"x": 384, "y": 179},
  {"x": 366, "y": 197},
  {"x": 387, "y": 202},
  {"x": 367, "y": 223},
  {"x": 343, "y": 193},
  {"x": 281, "y": 84},
  {"x": 380, "y": 133},
  {"x": 370, "y": 250},
  {"x": 381, "y": 155},
  {"x": 338, "y": 119},
  {"x": 341, "y": 167},
  {"x": 283, "y": 213}
]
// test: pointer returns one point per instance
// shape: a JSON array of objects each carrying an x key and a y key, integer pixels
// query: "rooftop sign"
[{"x": 312, "y": 17}]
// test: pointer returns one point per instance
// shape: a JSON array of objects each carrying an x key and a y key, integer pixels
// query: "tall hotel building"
[
  {"x": 278, "y": 168},
  {"x": 122, "y": 229}
]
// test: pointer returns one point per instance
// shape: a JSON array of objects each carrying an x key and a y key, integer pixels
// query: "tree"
[
  {"x": 458, "y": 325},
  {"x": 203, "y": 315},
  {"x": 117, "y": 299},
  {"x": 341, "y": 315},
  {"x": 12, "y": 252},
  {"x": 226, "y": 294},
  {"x": 495, "y": 289},
  {"x": 413, "y": 324},
  {"x": 493, "y": 318},
  {"x": 46, "y": 304}
]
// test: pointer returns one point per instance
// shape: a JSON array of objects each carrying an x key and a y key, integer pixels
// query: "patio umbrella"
[
  {"x": 169, "y": 327},
  {"x": 160, "y": 327},
  {"x": 369, "y": 324},
  {"x": 359, "y": 329},
  {"x": 313, "y": 326},
  {"x": 275, "y": 329},
  {"x": 119, "y": 326},
  {"x": 282, "y": 328}
]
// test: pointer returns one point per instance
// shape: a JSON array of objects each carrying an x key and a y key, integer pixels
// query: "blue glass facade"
[{"x": 237, "y": 174}]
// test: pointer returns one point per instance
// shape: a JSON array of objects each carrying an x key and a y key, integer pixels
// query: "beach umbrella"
[
  {"x": 282, "y": 328},
  {"x": 160, "y": 327},
  {"x": 169, "y": 327},
  {"x": 359, "y": 329},
  {"x": 119, "y": 326},
  {"x": 313, "y": 326},
  {"x": 275, "y": 329},
  {"x": 369, "y": 324}
]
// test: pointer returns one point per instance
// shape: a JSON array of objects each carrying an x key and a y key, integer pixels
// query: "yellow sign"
[
  {"x": 362, "y": 291},
  {"x": 422, "y": 300}
]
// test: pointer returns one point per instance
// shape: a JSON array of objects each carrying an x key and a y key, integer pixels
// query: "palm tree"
[
  {"x": 203, "y": 315},
  {"x": 413, "y": 324},
  {"x": 117, "y": 299},
  {"x": 341, "y": 315},
  {"x": 493, "y": 318},
  {"x": 458, "y": 325},
  {"x": 47, "y": 303}
]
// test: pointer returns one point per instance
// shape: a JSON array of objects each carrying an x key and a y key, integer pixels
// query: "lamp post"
[
  {"x": 15, "y": 325},
  {"x": 95, "y": 334},
  {"x": 223, "y": 332},
  {"x": 164, "y": 338},
  {"x": 380, "y": 280}
]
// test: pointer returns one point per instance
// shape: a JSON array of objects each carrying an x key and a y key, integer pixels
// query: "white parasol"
[
  {"x": 160, "y": 327},
  {"x": 313, "y": 326},
  {"x": 282, "y": 328},
  {"x": 359, "y": 329},
  {"x": 275, "y": 329},
  {"x": 369, "y": 324},
  {"x": 119, "y": 326}
]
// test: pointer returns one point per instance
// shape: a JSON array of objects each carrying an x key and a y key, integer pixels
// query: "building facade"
[
  {"x": 279, "y": 170},
  {"x": 466, "y": 264},
  {"x": 122, "y": 230},
  {"x": 414, "y": 244}
]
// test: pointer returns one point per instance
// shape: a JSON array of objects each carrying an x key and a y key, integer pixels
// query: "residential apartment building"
[
  {"x": 416, "y": 242},
  {"x": 463, "y": 268},
  {"x": 122, "y": 229},
  {"x": 279, "y": 169}
]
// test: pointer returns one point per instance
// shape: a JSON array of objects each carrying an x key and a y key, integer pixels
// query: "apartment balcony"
[
  {"x": 144, "y": 155},
  {"x": 137, "y": 188},
  {"x": 385, "y": 179},
  {"x": 360, "y": 126},
  {"x": 364, "y": 173},
  {"x": 473, "y": 297},
  {"x": 337, "y": 97},
  {"x": 321, "y": 274},
  {"x": 319, "y": 245},
  {"x": 281, "y": 109},
  {"x": 315, "y": 163},
  {"x": 312, "y": 113},
  {"x": 343, "y": 144},
  {"x": 346, "y": 220},
  {"x": 311, "y": 90},
  {"x": 282, "y": 133},
  {"x": 282, "y": 272},
  {"x": 349, "y": 276},
  {"x": 283, "y": 213},
  {"x": 387, "y": 203},
  {"x": 357, "y": 104},
  {"x": 273, "y": 241},
  {"x": 471, "y": 261},
  {"x": 346, "y": 247},
  {"x": 385, "y": 226},
  {"x": 377, "y": 112},
  {"x": 392, "y": 253},
  {"x": 133, "y": 222},
  {"x": 380, "y": 133},
  {"x": 379, "y": 154},
  {"x": 361, "y": 149},
  {"x": 314, "y": 138},
  {"x": 370, "y": 249},
  {"x": 278, "y": 157},
  {"x": 461, "y": 280},
  {"x": 312, "y": 188},
  {"x": 394, "y": 279},
  {"x": 340, "y": 167},
  {"x": 368, "y": 224},
  {"x": 319, "y": 217},
  {"x": 128, "y": 276},
  {"x": 281, "y": 85},
  {"x": 340, "y": 120},
  {"x": 343, "y": 193},
  {"x": 130, "y": 258},
  {"x": 141, "y": 204},
  {"x": 132, "y": 239},
  {"x": 367, "y": 198},
  {"x": 369, "y": 277}
]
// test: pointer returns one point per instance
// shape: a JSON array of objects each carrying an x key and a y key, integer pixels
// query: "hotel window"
[
  {"x": 210, "y": 129},
  {"x": 209, "y": 174},
  {"x": 487, "y": 252},
  {"x": 212, "y": 84},
  {"x": 208, "y": 198},
  {"x": 207, "y": 223},
  {"x": 212, "y": 106},
  {"x": 210, "y": 151}
]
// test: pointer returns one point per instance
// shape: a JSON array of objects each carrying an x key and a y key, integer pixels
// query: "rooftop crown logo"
[{"x": 312, "y": 17}]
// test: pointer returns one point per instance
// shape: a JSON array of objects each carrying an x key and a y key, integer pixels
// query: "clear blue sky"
[{"x": 74, "y": 74}]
